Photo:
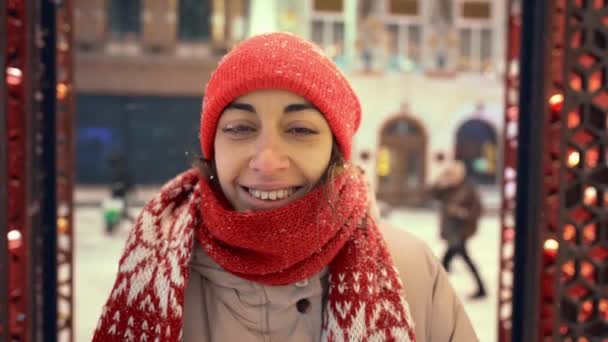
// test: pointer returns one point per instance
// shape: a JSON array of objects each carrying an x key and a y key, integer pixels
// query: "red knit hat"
[{"x": 281, "y": 61}]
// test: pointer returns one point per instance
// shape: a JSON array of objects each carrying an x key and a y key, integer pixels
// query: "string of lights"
[
  {"x": 16, "y": 75},
  {"x": 65, "y": 172},
  {"x": 509, "y": 177}
]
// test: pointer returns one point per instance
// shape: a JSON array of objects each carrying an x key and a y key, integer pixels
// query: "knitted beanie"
[{"x": 281, "y": 61}]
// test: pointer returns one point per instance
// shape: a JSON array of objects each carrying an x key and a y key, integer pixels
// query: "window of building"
[
  {"x": 403, "y": 22},
  {"x": 486, "y": 49},
  {"x": 403, "y": 7},
  {"x": 327, "y": 27},
  {"x": 465, "y": 49},
  {"x": 476, "y": 10},
  {"x": 194, "y": 20},
  {"x": 415, "y": 42},
  {"x": 329, "y": 35},
  {"x": 124, "y": 19},
  {"x": 328, "y": 5}
]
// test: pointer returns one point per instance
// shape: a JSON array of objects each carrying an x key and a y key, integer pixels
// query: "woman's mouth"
[{"x": 272, "y": 195}]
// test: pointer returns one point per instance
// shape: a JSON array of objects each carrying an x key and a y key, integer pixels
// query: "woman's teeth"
[{"x": 272, "y": 195}]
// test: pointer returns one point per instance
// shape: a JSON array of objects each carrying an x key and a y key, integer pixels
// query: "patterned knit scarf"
[{"x": 276, "y": 247}]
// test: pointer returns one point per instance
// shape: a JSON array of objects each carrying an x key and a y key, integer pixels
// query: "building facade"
[
  {"x": 429, "y": 75},
  {"x": 141, "y": 64}
]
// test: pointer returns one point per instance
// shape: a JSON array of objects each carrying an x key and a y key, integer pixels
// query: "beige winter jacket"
[{"x": 222, "y": 307}]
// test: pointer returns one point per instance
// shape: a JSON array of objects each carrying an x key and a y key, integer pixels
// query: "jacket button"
[{"x": 303, "y": 305}]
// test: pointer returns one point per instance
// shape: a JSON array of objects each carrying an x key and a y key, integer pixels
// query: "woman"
[
  {"x": 272, "y": 239},
  {"x": 461, "y": 210}
]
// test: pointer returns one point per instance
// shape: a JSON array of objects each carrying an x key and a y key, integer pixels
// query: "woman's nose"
[{"x": 269, "y": 157}]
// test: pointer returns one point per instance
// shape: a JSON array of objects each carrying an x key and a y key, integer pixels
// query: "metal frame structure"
[
  {"x": 548, "y": 215},
  {"x": 4, "y": 295},
  {"x": 561, "y": 256},
  {"x": 509, "y": 177},
  {"x": 581, "y": 269},
  {"x": 47, "y": 172},
  {"x": 28, "y": 211},
  {"x": 65, "y": 172},
  {"x": 530, "y": 163},
  {"x": 17, "y": 74}
]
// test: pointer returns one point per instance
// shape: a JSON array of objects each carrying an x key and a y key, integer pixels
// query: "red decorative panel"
[
  {"x": 65, "y": 172},
  {"x": 549, "y": 221},
  {"x": 509, "y": 178},
  {"x": 581, "y": 269},
  {"x": 16, "y": 187}
]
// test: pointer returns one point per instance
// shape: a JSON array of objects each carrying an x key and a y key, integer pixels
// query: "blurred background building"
[{"x": 429, "y": 75}]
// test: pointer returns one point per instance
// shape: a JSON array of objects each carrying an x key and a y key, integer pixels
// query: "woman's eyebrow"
[
  {"x": 296, "y": 107},
  {"x": 241, "y": 106}
]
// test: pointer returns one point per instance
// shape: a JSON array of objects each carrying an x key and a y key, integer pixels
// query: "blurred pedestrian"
[
  {"x": 120, "y": 179},
  {"x": 116, "y": 208},
  {"x": 460, "y": 211}
]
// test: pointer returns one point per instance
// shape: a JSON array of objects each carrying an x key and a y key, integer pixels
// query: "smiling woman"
[{"x": 274, "y": 237}]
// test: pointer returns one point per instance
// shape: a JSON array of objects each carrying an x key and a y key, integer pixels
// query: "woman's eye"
[
  {"x": 301, "y": 131},
  {"x": 238, "y": 129}
]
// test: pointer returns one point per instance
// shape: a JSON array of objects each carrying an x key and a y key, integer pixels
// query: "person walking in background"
[
  {"x": 120, "y": 179},
  {"x": 116, "y": 207},
  {"x": 460, "y": 210}
]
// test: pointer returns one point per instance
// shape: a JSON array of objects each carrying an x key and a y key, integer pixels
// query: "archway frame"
[{"x": 401, "y": 198}]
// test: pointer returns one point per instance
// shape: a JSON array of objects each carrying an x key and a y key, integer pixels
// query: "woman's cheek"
[{"x": 312, "y": 162}]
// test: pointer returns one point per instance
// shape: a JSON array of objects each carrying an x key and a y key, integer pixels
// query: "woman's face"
[{"x": 271, "y": 148}]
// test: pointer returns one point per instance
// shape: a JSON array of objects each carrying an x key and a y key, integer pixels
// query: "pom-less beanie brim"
[{"x": 281, "y": 61}]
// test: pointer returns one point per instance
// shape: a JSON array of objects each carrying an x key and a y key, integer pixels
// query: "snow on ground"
[
  {"x": 483, "y": 249},
  {"x": 96, "y": 259}
]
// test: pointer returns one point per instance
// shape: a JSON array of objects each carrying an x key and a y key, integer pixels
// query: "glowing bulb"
[
  {"x": 62, "y": 91},
  {"x": 551, "y": 245},
  {"x": 13, "y": 76},
  {"x": 14, "y": 235},
  {"x": 573, "y": 119},
  {"x": 574, "y": 158},
  {"x": 556, "y": 101},
  {"x": 590, "y": 196},
  {"x": 569, "y": 232},
  {"x": 14, "y": 239}
]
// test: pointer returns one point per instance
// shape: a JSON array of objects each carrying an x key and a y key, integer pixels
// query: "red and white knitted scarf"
[{"x": 275, "y": 247}]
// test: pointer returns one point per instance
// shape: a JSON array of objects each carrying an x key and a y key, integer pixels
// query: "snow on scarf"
[{"x": 275, "y": 247}]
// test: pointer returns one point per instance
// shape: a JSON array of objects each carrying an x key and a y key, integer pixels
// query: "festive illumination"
[
  {"x": 573, "y": 158},
  {"x": 551, "y": 247},
  {"x": 592, "y": 157},
  {"x": 65, "y": 171},
  {"x": 569, "y": 232},
  {"x": 14, "y": 76},
  {"x": 556, "y": 101},
  {"x": 62, "y": 91},
  {"x": 568, "y": 270},
  {"x": 603, "y": 309},
  {"x": 589, "y": 234},
  {"x": 14, "y": 239},
  {"x": 13, "y": 235},
  {"x": 574, "y": 119},
  {"x": 509, "y": 149},
  {"x": 590, "y": 196},
  {"x": 63, "y": 225},
  {"x": 509, "y": 234}
]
